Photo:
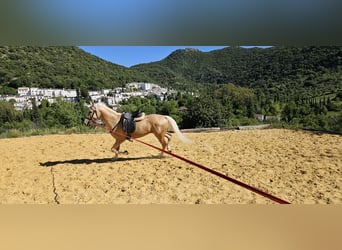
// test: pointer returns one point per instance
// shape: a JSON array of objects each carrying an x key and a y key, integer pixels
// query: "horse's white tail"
[{"x": 175, "y": 129}]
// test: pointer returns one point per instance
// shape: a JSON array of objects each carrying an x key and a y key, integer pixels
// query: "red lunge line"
[{"x": 253, "y": 189}]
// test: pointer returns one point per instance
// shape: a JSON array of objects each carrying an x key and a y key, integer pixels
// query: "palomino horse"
[{"x": 157, "y": 124}]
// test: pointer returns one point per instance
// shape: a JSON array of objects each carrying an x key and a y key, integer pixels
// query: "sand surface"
[{"x": 300, "y": 167}]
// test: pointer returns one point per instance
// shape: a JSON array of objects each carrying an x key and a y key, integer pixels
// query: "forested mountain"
[
  {"x": 284, "y": 73},
  {"x": 58, "y": 67},
  {"x": 281, "y": 72}
]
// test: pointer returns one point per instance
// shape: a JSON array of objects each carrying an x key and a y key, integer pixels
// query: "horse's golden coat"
[{"x": 157, "y": 124}]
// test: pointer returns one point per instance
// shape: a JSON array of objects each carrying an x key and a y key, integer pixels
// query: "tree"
[
  {"x": 7, "y": 112},
  {"x": 289, "y": 112},
  {"x": 274, "y": 109},
  {"x": 35, "y": 116},
  {"x": 203, "y": 112}
]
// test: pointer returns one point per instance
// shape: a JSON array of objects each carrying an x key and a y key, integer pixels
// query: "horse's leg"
[
  {"x": 168, "y": 137},
  {"x": 164, "y": 141},
  {"x": 116, "y": 146}
]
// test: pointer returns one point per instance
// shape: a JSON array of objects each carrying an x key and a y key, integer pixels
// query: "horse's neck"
[{"x": 110, "y": 117}]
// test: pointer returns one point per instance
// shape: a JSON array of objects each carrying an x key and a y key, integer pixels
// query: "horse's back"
[{"x": 156, "y": 119}]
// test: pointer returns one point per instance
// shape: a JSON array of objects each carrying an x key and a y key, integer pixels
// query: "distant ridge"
[{"x": 276, "y": 71}]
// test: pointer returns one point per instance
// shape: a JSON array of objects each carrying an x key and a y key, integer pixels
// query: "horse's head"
[{"x": 93, "y": 115}]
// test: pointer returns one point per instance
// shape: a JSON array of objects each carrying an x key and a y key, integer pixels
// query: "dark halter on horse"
[{"x": 89, "y": 119}]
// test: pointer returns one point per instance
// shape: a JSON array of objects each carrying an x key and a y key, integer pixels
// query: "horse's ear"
[{"x": 92, "y": 103}]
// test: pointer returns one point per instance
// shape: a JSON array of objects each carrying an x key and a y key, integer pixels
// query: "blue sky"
[{"x": 131, "y": 55}]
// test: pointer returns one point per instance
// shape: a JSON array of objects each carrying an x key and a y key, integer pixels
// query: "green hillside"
[
  {"x": 284, "y": 73},
  {"x": 58, "y": 67},
  {"x": 302, "y": 86},
  {"x": 280, "y": 72}
]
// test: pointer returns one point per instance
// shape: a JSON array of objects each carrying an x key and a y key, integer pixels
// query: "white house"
[
  {"x": 259, "y": 117},
  {"x": 94, "y": 93},
  {"x": 34, "y": 91},
  {"x": 105, "y": 91},
  {"x": 146, "y": 86},
  {"x": 69, "y": 93},
  {"x": 22, "y": 91},
  {"x": 48, "y": 92}
]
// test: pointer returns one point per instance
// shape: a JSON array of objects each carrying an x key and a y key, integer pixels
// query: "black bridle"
[{"x": 90, "y": 119}]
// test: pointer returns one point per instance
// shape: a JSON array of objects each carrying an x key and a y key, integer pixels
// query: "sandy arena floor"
[{"x": 300, "y": 167}]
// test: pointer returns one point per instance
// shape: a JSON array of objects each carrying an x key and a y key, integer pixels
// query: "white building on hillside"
[
  {"x": 34, "y": 91},
  {"x": 146, "y": 86},
  {"x": 69, "y": 93},
  {"x": 47, "y": 92},
  {"x": 23, "y": 91}
]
